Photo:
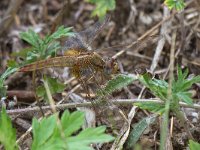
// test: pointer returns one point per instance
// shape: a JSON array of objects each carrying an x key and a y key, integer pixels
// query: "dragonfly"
[
  {"x": 82, "y": 60},
  {"x": 77, "y": 54}
]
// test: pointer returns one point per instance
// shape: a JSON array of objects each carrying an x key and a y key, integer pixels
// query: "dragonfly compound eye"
[{"x": 111, "y": 67}]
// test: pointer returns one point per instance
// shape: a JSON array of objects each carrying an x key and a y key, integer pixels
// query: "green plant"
[
  {"x": 42, "y": 48},
  {"x": 137, "y": 131},
  {"x": 179, "y": 92},
  {"x": 71, "y": 123},
  {"x": 159, "y": 88},
  {"x": 177, "y": 4},
  {"x": 47, "y": 135},
  {"x": 102, "y": 6},
  {"x": 7, "y": 132},
  {"x": 9, "y": 71},
  {"x": 116, "y": 83},
  {"x": 55, "y": 87},
  {"x": 194, "y": 145}
]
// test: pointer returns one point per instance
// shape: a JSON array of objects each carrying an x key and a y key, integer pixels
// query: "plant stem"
[
  {"x": 53, "y": 107},
  {"x": 164, "y": 128},
  {"x": 88, "y": 104}
]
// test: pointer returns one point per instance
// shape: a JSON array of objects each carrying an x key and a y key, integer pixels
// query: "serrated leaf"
[
  {"x": 45, "y": 134},
  {"x": 158, "y": 87},
  {"x": 43, "y": 48},
  {"x": 31, "y": 57},
  {"x": 60, "y": 32},
  {"x": 117, "y": 83},
  {"x": 52, "y": 48},
  {"x": 194, "y": 145},
  {"x": 88, "y": 136},
  {"x": 182, "y": 75},
  {"x": 32, "y": 38},
  {"x": 72, "y": 122},
  {"x": 47, "y": 126},
  {"x": 185, "y": 97},
  {"x": 177, "y": 4},
  {"x": 153, "y": 107},
  {"x": 102, "y": 6},
  {"x": 183, "y": 83},
  {"x": 137, "y": 131},
  {"x": 7, "y": 132}
]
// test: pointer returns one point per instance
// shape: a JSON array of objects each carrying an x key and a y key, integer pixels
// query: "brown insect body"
[{"x": 78, "y": 56}]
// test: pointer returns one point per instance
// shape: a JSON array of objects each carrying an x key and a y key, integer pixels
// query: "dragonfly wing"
[
  {"x": 82, "y": 41},
  {"x": 136, "y": 45},
  {"x": 90, "y": 34},
  {"x": 74, "y": 43}
]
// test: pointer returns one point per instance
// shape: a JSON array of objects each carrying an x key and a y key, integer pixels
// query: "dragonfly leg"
[
  {"x": 76, "y": 71},
  {"x": 36, "y": 97},
  {"x": 85, "y": 86},
  {"x": 114, "y": 107}
]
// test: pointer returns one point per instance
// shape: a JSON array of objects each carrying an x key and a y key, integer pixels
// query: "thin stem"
[
  {"x": 53, "y": 107},
  {"x": 35, "y": 94},
  {"x": 165, "y": 120},
  {"x": 89, "y": 104}
]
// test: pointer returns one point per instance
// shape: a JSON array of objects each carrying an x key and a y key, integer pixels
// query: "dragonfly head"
[{"x": 111, "y": 66}]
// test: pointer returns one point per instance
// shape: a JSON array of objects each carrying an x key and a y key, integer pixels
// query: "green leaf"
[
  {"x": 88, "y": 136},
  {"x": 42, "y": 48},
  {"x": 185, "y": 97},
  {"x": 52, "y": 48},
  {"x": 177, "y": 4},
  {"x": 182, "y": 75},
  {"x": 32, "y": 38},
  {"x": 46, "y": 135},
  {"x": 72, "y": 122},
  {"x": 7, "y": 132},
  {"x": 59, "y": 33},
  {"x": 117, "y": 83},
  {"x": 181, "y": 86},
  {"x": 8, "y": 72},
  {"x": 158, "y": 87},
  {"x": 182, "y": 83},
  {"x": 2, "y": 89},
  {"x": 194, "y": 145},
  {"x": 137, "y": 131},
  {"x": 153, "y": 107},
  {"x": 102, "y": 6},
  {"x": 54, "y": 85}
]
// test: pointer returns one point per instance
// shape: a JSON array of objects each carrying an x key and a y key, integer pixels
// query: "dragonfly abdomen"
[
  {"x": 64, "y": 61},
  {"x": 81, "y": 61}
]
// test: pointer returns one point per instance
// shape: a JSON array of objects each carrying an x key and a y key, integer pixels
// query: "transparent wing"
[
  {"x": 136, "y": 45},
  {"x": 81, "y": 41}
]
